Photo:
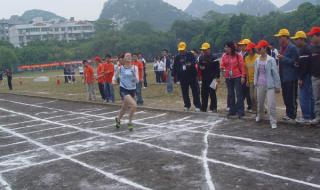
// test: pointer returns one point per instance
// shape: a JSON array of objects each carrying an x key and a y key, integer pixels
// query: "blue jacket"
[
  {"x": 288, "y": 69},
  {"x": 272, "y": 74}
]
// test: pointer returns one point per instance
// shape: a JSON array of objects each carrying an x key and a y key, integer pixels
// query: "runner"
[
  {"x": 210, "y": 71},
  {"x": 89, "y": 80},
  {"x": 267, "y": 82},
  {"x": 249, "y": 65},
  {"x": 128, "y": 75},
  {"x": 101, "y": 79},
  {"x": 304, "y": 74},
  {"x": 235, "y": 75},
  {"x": 184, "y": 68},
  {"x": 315, "y": 70},
  {"x": 288, "y": 73},
  {"x": 108, "y": 76},
  {"x": 140, "y": 67}
]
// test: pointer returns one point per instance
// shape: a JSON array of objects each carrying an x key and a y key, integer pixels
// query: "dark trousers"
[
  {"x": 66, "y": 80},
  {"x": 290, "y": 95},
  {"x": 101, "y": 90},
  {"x": 207, "y": 91},
  {"x": 246, "y": 95},
  {"x": 235, "y": 96},
  {"x": 158, "y": 77},
  {"x": 10, "y": 83},
  {"x": 194, "y": 85},
  {"x": 145, "y": 82}
]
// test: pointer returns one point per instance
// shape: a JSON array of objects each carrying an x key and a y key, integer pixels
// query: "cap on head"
[
  {"x": 283, "y": 32},
  {"x": 205, "y": 46},
  {"x": 250, "y": 46},
  {"x": 244, "y": 42},
  {"x": 314, "y": 31},
  {"x": 299, "y": 35},
  {"x": 182, "y": 46},
  {"x": 262, "y": 44},
  {"x": 98, "y": 59}
]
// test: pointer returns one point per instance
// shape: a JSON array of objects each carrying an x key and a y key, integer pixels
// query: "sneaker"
[
  {"x": 130, "y": 126},
  {"x": 197, "y": 110},
  {"x": 118, "y": 123},
  {"x": 250, "y": 110},
  {"x": 286, "y": 118},
  {"x": 213, "y": 111},
  {"x": 274, "y": 126},
  {"x": 186, "y": 109},
  {"x": 303, "y": 121},
  {"x": 315, "y": 121},
  {"x": 258, "y": 119}
]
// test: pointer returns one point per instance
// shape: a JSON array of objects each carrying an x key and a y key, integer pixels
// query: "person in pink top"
[{"x": 233, "y": 64}]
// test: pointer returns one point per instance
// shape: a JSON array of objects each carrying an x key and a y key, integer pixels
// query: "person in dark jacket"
[
  {"x": 315, "y": 70},
  {"x": 166, "y": 59},
  {"x": 304, "y": 75},
  {"x": 209, "y": 66},
  {"x": 288, "y": 74},
  {"x": 1, "y": 77},
  {"x": 9, "y": 78},
  {"x": 184, "y": 69}
]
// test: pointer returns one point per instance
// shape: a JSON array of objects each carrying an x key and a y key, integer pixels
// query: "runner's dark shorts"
[{"x": 124, "y": 92}]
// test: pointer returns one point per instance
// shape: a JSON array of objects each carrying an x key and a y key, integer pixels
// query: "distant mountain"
[
  {"x": 158, "y": 14},
  {"x": 198, "y": 8},
  {"x": 46, "y": 15},
  {"x": 294, "y": 4}
]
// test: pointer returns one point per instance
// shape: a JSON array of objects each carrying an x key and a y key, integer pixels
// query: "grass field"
[{"x": 155, "y": 95}]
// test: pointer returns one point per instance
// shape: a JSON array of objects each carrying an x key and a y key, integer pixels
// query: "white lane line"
[
  {"x": 170, "y": 150},
  {"x": 18, "y": 123},
  {"x": 205, "y": 161},
  {"x": 5, "y": 116},
  {"x": 43, "y": 130},
  {"x": 51, "y": 150},
  {"x": 49, "y": 102},
  {"x": 18, "y": 153},
  {"x": 258, "y": 141},
  {"x": 76, "y": 141},
  {"x": 4, "y": 185},
  {"x": 6, "y": 145},
  {"x": 59, "y": 135}
]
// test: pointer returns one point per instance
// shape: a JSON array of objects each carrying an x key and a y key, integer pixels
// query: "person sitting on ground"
[{"x": 128, "y": 75}]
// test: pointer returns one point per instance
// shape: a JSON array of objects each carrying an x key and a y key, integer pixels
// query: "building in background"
[
  {"x": 21, "y": 35},
  {"x": 4, "y": 30}
]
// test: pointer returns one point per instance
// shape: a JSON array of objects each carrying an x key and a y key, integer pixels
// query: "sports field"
[{"x": 48, "y": 144}]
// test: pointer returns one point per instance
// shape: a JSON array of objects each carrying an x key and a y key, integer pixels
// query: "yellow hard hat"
[
  {"x": 299, "y": 35},
  {"x": 205, "y": 46},
  {"x": 283, "y": 32},
  {"x": 182, "y": 46},
  {"x": 244, "y": 42}
]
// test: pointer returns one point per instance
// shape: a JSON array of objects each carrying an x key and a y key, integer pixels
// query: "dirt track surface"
[{"x": 61, "y": 145}]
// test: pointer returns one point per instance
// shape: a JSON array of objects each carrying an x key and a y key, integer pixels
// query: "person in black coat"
[
  {"x": 9, "y": 78},
  {"x": 184, "y": 68},
  {"x": 209, "y": 66}
]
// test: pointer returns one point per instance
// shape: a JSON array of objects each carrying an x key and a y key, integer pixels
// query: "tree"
[{"x": 8, "y": 58}]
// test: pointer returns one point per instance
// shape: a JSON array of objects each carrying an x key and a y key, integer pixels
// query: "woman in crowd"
[
  {"x": 233, "y": 64},
  {"x": 249, "y": 61},
  {"x": 267, "y": 82},
  {"x": 128, "y": 76}
]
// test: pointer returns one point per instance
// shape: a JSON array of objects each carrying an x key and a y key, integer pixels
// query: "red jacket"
[
  {"x": 234, "y": 63},
  {"x": 88, "y": 74},
  {"x": 108, "y": 72},
  {"x": 100, "y": 73}
]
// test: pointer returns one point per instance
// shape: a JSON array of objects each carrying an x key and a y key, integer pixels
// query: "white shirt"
[{"x": 161, "y": 66}]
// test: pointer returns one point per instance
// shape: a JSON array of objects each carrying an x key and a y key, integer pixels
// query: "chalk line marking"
[
  {"x": 18, "y": 123},
  {"x": 19, "y": 153},
  {"x": 6, "y": 145},
  {"x": 51, "y": 150},
  {"x": 258, "y": 141},
  {"x": 170, "y": 150},
  {"x": 4, "y": 185},
  {"x": 45, "y": 113},
  {"x": 5, "y": 116},
  {"x": 205, "y": 161},
  {"x": 49, "y": 102}
]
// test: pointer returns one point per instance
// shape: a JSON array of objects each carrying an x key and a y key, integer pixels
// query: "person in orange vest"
[
  {"x": 89, "y": 80},
  {"x": 101, "y": 79},
  {"x": 108, "y": 75},
  {"x": 139, "y": 65}
]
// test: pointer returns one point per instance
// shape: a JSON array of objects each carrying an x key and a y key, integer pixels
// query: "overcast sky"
[{"x": 81, "y": 9}]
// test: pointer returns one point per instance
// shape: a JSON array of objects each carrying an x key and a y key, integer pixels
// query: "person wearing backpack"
[{"x": 128, "y": 74}]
